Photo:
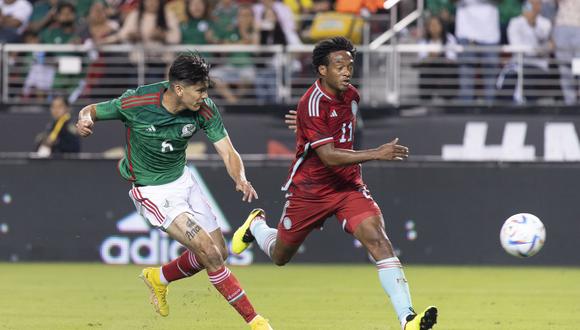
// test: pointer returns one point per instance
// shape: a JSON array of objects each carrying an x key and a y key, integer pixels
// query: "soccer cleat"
[
  {"x": 260, "y": 323},
  {"x": 158, "y": 298},
  {"x": 243, "y": 236},
  {"x": 422, "y": 321}
]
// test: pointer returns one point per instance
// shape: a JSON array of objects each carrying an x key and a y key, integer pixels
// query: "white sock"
[
  {"x": 162, "y": 278},
  {"x": 395, "y": 285},
  {"x": 265, "y": 236}
]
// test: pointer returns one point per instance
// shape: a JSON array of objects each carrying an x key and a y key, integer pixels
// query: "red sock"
[
  {"x": 227, "y": 284},
  {"x": 183, "y": 266}
]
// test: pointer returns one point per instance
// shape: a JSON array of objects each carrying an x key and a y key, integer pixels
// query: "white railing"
[{"x": 392, "y": 74}]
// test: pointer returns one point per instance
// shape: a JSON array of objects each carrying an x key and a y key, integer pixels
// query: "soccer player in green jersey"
[{"x": 160, "y": 119}]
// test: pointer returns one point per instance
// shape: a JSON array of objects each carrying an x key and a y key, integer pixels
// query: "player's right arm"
[
  {"x": 108, "y": 110},
  {"x": 86, "y": 121}
]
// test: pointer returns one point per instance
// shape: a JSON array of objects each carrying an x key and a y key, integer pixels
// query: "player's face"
[
  {"x": 339, "y": 70},
  {"x": 192, "y": 96},
  {"x": 58, "y": 108}
]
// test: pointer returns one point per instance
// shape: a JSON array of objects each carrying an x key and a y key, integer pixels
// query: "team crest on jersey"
[
  {"x": 354, "y": 107},
  {"x": 187, "y": 130}
]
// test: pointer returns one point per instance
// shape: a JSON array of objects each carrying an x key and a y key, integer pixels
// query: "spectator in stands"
[
  {"x": 14, "y": 16},
  {"x": 533, "y": 30},
  {"x": 274, "y": 24},
  {"x": 152, "y": 26},
  {"x": 225, "y": 15},
  {"x": 477, "y": 24},
  {"x": 437, "y": 70},
  {"x": 149, "y": 24},
  {"x": 445, "y": 10},
  {"x": 196, "y": 29},
  {"x": 98, "y": 27},
  {"x": 64, "y": 31},
  {"x": 60, "y": 135},
  {"x": 567, "y": 41},
  {"x": 508, "y": 9},
  {"x": 40, "y": 74},
  {"x": 43, "y": 15},
  {"x": 239, "y": 68}
]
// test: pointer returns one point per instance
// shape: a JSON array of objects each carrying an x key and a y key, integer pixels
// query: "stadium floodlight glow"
[{"x": 390, "y": 3}]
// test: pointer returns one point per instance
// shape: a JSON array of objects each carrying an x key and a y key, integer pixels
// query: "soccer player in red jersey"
[{"x": 325, "y": 179}]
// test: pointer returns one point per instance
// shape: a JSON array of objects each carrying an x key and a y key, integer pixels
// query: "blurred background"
[{"x": 483, "y": 92}]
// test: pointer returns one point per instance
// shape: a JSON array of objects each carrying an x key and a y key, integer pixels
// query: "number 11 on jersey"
[{"x": 344, "y": 133}]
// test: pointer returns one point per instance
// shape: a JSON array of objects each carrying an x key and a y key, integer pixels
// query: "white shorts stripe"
[{"x": 146, "y": 205}]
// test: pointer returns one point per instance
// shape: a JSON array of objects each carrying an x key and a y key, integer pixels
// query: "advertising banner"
[{"x": 435, "y": 212}]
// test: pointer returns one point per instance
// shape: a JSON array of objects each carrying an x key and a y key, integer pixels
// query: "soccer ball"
[{"x": 522, "y": 235}]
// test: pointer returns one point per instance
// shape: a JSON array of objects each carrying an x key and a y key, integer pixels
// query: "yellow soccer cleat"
[
  {"x": 422, "y": 321},
  {"x": 260, "y": 323},
  {"x": 158, "y": 298},
  {"x": 243, "y": 236}
]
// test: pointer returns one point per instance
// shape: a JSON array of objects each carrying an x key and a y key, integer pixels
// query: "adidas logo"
[
  {"x": 333, "y": 114},
  {"x": 151, "y": 129}
]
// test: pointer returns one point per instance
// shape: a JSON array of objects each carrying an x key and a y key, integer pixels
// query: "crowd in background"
[{"x": 553, "y": 26}]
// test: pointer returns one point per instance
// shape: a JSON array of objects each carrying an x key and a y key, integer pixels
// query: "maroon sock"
[
  {"x": 183, "y": 266},
  {"x": 227, "y": 284}
]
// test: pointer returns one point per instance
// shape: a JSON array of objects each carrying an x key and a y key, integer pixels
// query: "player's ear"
[
  {"x": 178, "y": 90},
  {"x": 322, "y": 70}
]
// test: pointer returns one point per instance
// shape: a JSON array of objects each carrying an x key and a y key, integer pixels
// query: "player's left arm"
[
  {"x": 217, "y": 134},
  {"x": 235, "y": 168}
]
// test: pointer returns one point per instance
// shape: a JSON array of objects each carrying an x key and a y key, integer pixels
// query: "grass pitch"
[{"x": 95, "y": 296}]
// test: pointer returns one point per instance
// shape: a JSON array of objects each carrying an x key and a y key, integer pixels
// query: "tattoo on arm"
[{"x": 193, "y": 229}]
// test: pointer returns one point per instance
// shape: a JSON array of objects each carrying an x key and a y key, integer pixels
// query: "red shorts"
[{"x": 302, "y": 215}]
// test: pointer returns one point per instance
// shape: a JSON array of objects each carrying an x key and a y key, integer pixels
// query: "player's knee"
[
  {"x": 211, "y": 255},
  {"x": 378, "y": 244}
]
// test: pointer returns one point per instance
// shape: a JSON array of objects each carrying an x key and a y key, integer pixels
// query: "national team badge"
[
  {"x": 287, "y": 223},
  {"x": 187, "y": 130},
  {"x": 354, "y": 107}
]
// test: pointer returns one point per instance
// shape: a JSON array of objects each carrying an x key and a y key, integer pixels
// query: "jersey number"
[
  {"x": 166, "y": 146},
  {"x": 346, "y": 128}
]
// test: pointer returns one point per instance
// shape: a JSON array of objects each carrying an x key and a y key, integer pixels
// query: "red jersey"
[{"x": 323, "y": 118}]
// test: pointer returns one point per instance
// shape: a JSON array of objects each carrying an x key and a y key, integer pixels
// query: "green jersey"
[{"x": 156, "y": 138}]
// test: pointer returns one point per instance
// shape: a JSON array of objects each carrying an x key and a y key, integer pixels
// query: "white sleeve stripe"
[
  {"x": 318, "y": 105},
  {"x": 321, "y": 140},
  {"x": 313, "y": 103}
]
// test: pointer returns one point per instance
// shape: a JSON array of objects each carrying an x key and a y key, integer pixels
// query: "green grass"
[{"x": 94, "y": 296}]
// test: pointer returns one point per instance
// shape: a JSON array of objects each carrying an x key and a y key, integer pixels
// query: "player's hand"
[
  {"x": 290, "y": 120},
  {"x": 247, "y": 190},
  {"x": 85, "y": 127},
  {"x": 392, "y": 151}
]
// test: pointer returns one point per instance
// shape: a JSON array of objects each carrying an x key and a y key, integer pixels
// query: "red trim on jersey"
[
  {"x": 132, "y": 178},
  {"x": 205, "y": 112},
  {"x": 136, "y": 104},
  {"x": 135, "y": 97}
]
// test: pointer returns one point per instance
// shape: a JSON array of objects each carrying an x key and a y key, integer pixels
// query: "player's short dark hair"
[
  {"x": 189, "y": 69},
  {"x": 325, "y": 47}
]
